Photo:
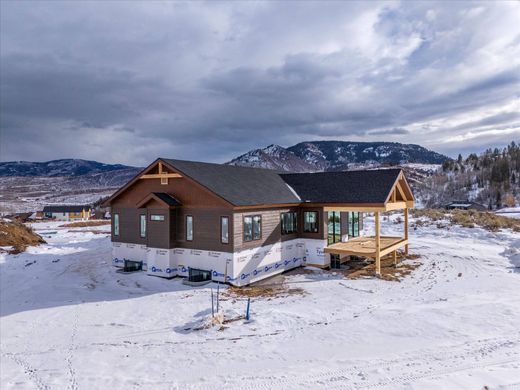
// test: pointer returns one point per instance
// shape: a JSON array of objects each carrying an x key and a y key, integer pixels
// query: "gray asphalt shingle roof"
[
  {"x": 240, "y": 186},
  {"x": 167, "y": 198},
  {"x": 243, "y": 186},
  {"x": 343, "y": 187}
]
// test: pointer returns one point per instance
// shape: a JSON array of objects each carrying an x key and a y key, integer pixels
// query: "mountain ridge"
[
  {"x": 56, "y": 168},
  {"x": 314, "y": 156}
]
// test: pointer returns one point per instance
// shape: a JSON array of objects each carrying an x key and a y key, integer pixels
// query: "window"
[
  {"x": 224, "y": 230},
  {"x": 310, "y": 222},
  {"x": 198, "y": 275},
  {"x": 334, "y": 227},
  {"x": 164, "y": 181},
  {"x": 156, "y": 217},
  {"x": 257, "y": 227},
  {"x": 189, "y": 228},
  {"x": 288, "y": 222},
  {"x": 353, "y": 224},
  {"x": 252, "y": 228},
  {"x": 142, "y": 225},
  {"x": 116, "y": 224}
]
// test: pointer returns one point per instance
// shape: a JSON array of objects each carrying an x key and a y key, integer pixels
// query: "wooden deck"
[{"x": 366, "y": 246}]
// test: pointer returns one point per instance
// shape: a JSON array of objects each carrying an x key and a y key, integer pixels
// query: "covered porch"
[{"x": 376, "y": 246}]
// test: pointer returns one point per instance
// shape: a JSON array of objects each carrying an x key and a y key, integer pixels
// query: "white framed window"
[
  {"x": 116, "y": 224},
  {"x": 142, "y": 225},
  {"x": 157, "y": 217},
  {"x": 224, "y": 230},
  {"x": 252, "y": 227},
  {"x": 189, "y": 228}
]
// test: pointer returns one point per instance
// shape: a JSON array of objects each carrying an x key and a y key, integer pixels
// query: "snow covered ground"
[
  {"x": 68, "y": 320},
  {"x": 511, "y": 212}
]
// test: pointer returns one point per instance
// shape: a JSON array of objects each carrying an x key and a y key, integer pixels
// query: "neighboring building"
[
  {"x": 240, "y": 225},
  {"x": 465, "y": 205},
  {"x": 67, "y": 212}
]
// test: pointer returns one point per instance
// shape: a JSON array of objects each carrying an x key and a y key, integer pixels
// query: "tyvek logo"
[
  {"x": 218, "y": 274},
  {"x": 267, "y": 268},
  {"x": 156, "y": 269},
  {"x": 244, "y": 276}
]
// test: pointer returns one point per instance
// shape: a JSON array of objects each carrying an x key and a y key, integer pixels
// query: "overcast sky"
[{"x": 128, "y": 82}]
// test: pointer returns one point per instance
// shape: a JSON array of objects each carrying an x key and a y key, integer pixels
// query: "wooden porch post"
[
  {"x": 395, "y": 258},
  {"x": 378, "y": 245},
  {"x": 406, "y": 230}
]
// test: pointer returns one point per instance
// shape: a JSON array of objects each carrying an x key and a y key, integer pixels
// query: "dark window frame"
[
  {"x": 317, "y": 228},
  {"x": 222, "y": 217},
  {"x": 294, "y": 227},
  {"x": 192, "y": 228},
  {"x": 246, "y": 239}
]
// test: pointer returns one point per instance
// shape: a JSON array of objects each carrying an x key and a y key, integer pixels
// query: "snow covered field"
[{"x": 68, "y": 320}]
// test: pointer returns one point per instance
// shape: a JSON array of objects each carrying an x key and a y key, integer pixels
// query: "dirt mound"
[
  {"x": 18, "y": 236},
  {"x": 363, "y": 268},
  {"x": 86, "y": 223}
]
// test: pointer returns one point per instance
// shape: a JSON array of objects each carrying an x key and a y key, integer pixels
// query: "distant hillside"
[
  {"x": 28, "y": 186},
  {"x": 64, "y": 167},
  {"x": 491, "y": 178},
  {"x": 337, "y": 155}
]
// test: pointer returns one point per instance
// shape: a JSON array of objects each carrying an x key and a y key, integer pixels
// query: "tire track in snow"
[{"x": 449, "y": 360}]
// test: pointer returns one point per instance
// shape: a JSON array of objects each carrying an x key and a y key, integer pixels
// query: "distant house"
[
  {"x": 68, "y": 212},
  {"x": 465, "y": 205}
]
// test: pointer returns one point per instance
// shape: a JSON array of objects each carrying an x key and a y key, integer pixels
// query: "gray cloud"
[
  {"x": 127, "y": 82},
  {"x": 394, "y": 131}
]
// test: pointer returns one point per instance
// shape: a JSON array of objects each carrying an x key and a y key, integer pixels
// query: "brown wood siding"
[
  {"x": 271, "y": 227},
  {"x": 206, "y": 229},
  {"x": 322, "y": 223},
  {"x": 158, "y": 232},
  {"x": 185, "y": 190},
  {"x": 129, "y": 230}
]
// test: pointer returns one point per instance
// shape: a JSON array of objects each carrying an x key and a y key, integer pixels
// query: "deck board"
[{"x": 365, "y": 246}]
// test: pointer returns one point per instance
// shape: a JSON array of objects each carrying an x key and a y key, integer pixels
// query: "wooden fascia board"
[
  {"x": 368, "y": 208},
  {"x": 389, "y": 196},
  {"x": 407, "y": 188},
  {"x": 395, "y": 206},
  {"x": 161, "y": 175}
]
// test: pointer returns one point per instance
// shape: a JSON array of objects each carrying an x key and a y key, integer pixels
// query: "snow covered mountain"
[
  {"x": 273, "y": 157},
  {"x": 64, "y": 167},
  {"x": 337, "y": 155}
]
